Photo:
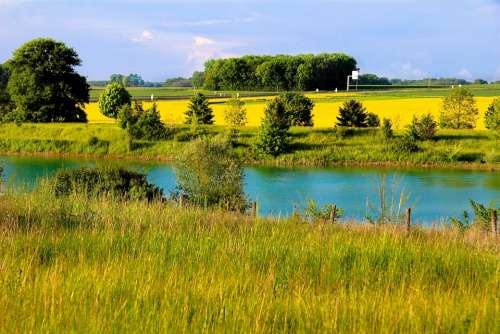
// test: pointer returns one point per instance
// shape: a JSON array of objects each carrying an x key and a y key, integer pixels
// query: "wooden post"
[
  {"x": 181, "y": 200},
  {"x": 333, "y": 213},
  {"x": 494, "y": 226},
  {"x": 254, "y": 209},
  {"x": 408, "y": 220}
]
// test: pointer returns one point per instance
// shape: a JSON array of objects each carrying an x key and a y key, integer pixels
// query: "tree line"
[{"x": 326, "y": 71}]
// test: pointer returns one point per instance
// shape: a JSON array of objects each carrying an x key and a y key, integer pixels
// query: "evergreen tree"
[
  {"x": 352, "y": 114},
  {"x": 200, "y": 109},
  {"x": 273, "y": 132}
]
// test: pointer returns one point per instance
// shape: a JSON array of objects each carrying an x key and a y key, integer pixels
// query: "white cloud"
[
  {"x": 202, "y": 41},
  {"x": 146, "y": 35},
  {"x": 410, "y": 71},
  {"x": 465, "y": 74}
]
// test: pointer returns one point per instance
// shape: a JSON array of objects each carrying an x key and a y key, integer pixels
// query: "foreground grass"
[
  {"x": 308, "y": 147},
  {"x": 102, "y": 266}
]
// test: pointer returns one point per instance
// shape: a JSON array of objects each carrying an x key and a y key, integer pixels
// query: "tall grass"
[{"x": 95, "y": 265}]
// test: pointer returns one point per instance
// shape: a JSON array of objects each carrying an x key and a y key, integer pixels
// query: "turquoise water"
[{"x": 434, "y": 195}]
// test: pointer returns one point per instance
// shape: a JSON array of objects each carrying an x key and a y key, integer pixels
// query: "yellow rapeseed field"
[{"x": 399, "y": 111}]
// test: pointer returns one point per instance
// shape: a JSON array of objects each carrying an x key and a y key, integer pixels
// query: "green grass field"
[
  {"x": 74, "y": 264},
  {"x": 308, "y": 147},
  {"x": 173, "y": 92}
]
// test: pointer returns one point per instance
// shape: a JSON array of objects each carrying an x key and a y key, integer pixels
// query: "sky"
[{"x": 167, "y": 38}]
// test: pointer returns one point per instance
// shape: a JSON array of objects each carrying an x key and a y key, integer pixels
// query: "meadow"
[{"x": 98, "y": 265}]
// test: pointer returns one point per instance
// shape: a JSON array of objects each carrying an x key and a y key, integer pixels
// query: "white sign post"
[{"x": 353, "y": 76}]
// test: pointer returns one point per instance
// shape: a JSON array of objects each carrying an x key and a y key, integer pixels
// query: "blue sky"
[{"x": 166, "y": 38}]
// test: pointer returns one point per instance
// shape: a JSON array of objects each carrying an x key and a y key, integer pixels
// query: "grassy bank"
[
  {"x": 72, "y": 264},
  {"x": 308, "y": 147}
]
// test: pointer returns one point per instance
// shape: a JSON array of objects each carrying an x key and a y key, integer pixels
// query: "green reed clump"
[{"x": 131, "y": 266}]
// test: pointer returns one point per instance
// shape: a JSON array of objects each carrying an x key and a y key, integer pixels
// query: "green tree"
[
  {"x": 387, "y": 131},
  {"x": 198, "y": 79},
  {"x": 372, "y": 120},
  {"x": 147, "y": 125},
  {"x": 273, "y": 132},
  {"x": 299, "y": 108},
  {"x": 43, "y": 83},
  {"x": 492, "y": 116},
  {"x": 199, "y": 110},
  {"x": 6, "y": 104},
  {"x": 352, "y": 114},
  {"x": 235, "y": 113},
  {"x": 459, "y": 110},
  {"x": 210, "y": 173},
  {"x": 112, "y": 99}
]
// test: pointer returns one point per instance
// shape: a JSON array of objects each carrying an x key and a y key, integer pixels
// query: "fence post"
[
  {"x": 408, "y": 220},
  {"x": 181, "y": 200},
  {"x": 333, "y": 213},
  {"x": 254, "y": 209},
  {"x": 494, "y": 226}
]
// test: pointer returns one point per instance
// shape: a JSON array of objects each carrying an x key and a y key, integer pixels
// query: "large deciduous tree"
[
  {"x": 6, "y": 104},
  {"x": 44, "y": 85}
]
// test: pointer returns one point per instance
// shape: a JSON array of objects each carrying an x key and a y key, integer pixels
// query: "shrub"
[
  {"x": 112, "y": 99},
  {"x": 459, "y": 110},
  {"x": 142, "y": 124},
  {"x": 116, "y": 182},
  {"x": 343, "y": 132},
  {"x": 299, "y": 108},
  {"x": 372, "y": 120},
  {"x": 235, "y": 113},
  {"x": 423, "y": 128},
  {"x": 492, "y": 116},
  {"x": 199, "y": 110},
  {"x": 404, "y": 145},
  {"x": 210, "y": 173},
  {"x": 352, "y": 114},
  {"x": 387, "y": 131},
  {"x": 273, "y": 132},
  {"x": 314, "y": 213}
]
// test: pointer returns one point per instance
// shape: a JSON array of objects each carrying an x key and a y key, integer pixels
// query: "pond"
[{"x": 434, "y": 195}]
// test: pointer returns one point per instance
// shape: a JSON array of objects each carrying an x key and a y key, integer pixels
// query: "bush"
[
  {"x": 343, "y": 132},
  {"x": 142, "y": 124},
  {"x": 423, "y": 128},
  {"x": 299, "y": 108},
  {"x": 116, "y": 182},
  {"x": 387, "y": 131},
  {"x": 459, "y": 110},
  {"x": 404, "y": 145},
  {"x": 199, "y": 110},
  {"x": 210, "y": 173},
  {"x": 112, "y": 99},
  {"x": 372, "y": 120},
  {"x": 235, "y": 113},
  {"x": 352, "y": 114},
  {"x": 492, "y": 116},
  {"x": 273, "y": 132}
]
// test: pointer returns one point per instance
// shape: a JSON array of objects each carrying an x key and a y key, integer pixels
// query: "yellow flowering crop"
[{"x": 399, "y": 111}]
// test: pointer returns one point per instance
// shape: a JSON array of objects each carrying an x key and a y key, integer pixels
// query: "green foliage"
[
  {"x": 210, "y": 173},
  {"x": 115, "y": 182},
  {"x": 199, "y": 110},
  {"x": 273, "y": 132},
  {"x": 142, "y": 124},
  {"x": 387, "y": 131},
  {"x": 114, "y": 97},
  {"x": 459, "y": 110},
  {"x": 423, "y": 128},
  {"x": 404, "y": 145},
  {"x": 303, "y": 72},
  {"x": 352, "y": 114},
  {"x": 43, "y": 83},
  {"x": 314, "y": 213},
  {"x": 492, "y": 115},
  {"x": 372, "y": 120},
  {"x": 198, "y": 79},
  {"x": 235, "y": 113},
  {"x": 482, "y": 217},
  {"x": 178, "y": 82},
  {"x": 6, "y": 104},
  {"x": 299, "y": 108}
]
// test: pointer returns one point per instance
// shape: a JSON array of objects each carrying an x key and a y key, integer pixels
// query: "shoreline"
[{"x": 486, "y": 167}]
